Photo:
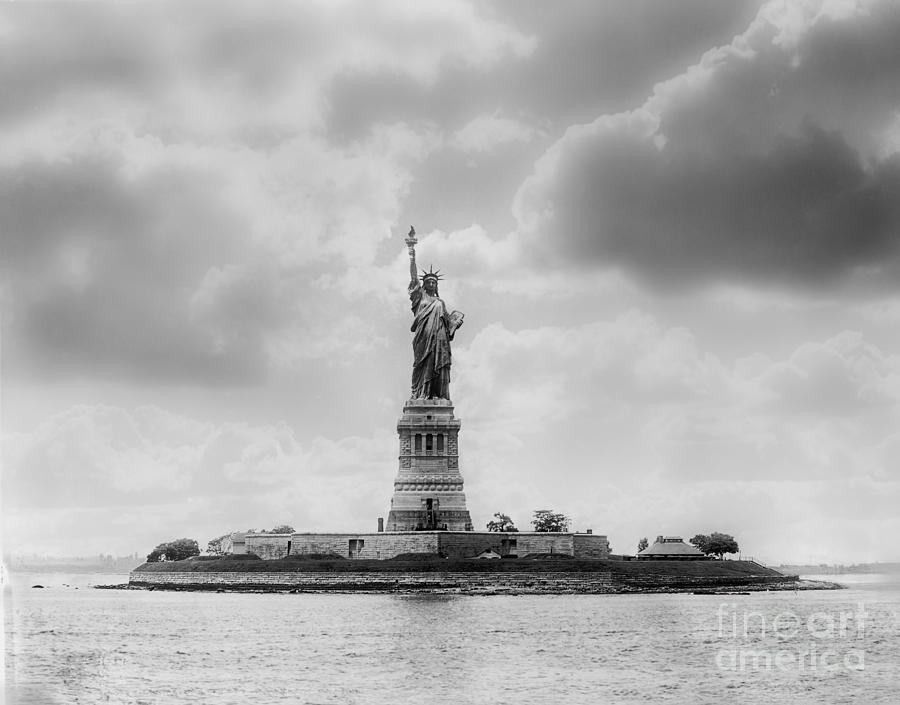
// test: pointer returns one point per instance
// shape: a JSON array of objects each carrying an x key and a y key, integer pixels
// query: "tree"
[
  {"x": 503, "y": 523},
  {"x": 642, "y": 544},
  {"x": 281, "y": 529},
  {"x": 701, "y": 541},
  {"x": 177, "y": 550},
  {"x": 716, "y": 544},
  {"x": 548, "y": 520}
]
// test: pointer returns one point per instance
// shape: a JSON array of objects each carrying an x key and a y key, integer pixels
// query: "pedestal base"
[
  {"x": 423, "y": 520},
  {"x": 428, "y": 489}
]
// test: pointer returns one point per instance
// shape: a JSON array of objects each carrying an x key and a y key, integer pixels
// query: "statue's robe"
[{"x": 431, "y": 345}]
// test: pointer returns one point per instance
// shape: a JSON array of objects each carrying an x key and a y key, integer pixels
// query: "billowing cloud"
[
  {"x": 235, "y": 72},
  {"x": 769, "y": 161},
  {"x": 228, "y": 111},
  {"x": 655, "y": 433},
  {"x": 98, "y": 269},
  {"x": 629, "y": 359},
  {"x": 822, "y": 413},
  {"x": 107, "y": 463},
  {"x": 844, "y": 376},
  {"x": 649, "y": 426},
  {"x": 675, "y": 328},
  {"x": 167, "y": 212}
]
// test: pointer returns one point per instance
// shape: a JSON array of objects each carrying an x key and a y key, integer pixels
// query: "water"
[{"x": 69, "y": 643}]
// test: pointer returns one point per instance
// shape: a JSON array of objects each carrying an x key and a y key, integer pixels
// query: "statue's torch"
[{"x": 411, "y": 239}]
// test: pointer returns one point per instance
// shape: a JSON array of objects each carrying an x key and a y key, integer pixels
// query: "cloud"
[
  {"x": 105, "y": 464},
  {"x": 843, "y": 376},
  {"x": 630, "y": 359},
  {"x": 573, "y": 402},
  {"x": 653, "y": 405},
  {"x": 89, "y": 254},
  {"x": 485, "y": 269},
  {"x": 487, "y": 132},
  {"x": 655, "y": 433},
  {"x": 170, "y": 206},
  {"x": 824, "y": 412},
  {"x": 236, "y": 72},
  {"x": 755, "y": 165},
  {"x": 885, "y": 312},
  {"x": 214, "y": 252},
  {"x": 219, "y": 206}
]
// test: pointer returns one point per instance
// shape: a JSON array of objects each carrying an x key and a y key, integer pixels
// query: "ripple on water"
[{"x": 93, "y": 646}]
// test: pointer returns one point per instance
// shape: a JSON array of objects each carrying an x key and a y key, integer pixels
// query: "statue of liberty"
[{"x": 433, "y": 329}]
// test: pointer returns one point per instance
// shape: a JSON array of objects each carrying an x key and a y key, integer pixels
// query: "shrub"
[{"x": 177, "y": 550}]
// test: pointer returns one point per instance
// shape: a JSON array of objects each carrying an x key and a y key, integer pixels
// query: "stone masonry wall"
[
  {"x": 590, "y": 546},
  {"x": 594, "y": 582},
  {"x": 268, "y": 546},
  {"x": 376, "y": 545},
  {"x": 455, "y": 544},
  {"x": 539, "y": 542},
  {"x": 458, "y": 581},
  {"x": 471, "y": 543}
]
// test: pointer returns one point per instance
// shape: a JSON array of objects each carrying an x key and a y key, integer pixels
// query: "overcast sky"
[{"x": 674, "y": 229}]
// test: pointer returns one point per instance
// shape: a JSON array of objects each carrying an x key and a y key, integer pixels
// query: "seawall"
[
  {"x": 381, "y": 582},
  {"x": 524, "y": 582}
]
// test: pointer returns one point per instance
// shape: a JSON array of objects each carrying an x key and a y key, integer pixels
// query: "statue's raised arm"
[
  {"x": 433, "y": 328},
  {"x": 411, "y": 246}
]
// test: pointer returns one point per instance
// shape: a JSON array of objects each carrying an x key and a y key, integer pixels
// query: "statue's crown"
[{"x": 431, "y": 274}]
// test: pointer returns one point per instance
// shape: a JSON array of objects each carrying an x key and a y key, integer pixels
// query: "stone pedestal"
[{"x": 428, "y": 489}]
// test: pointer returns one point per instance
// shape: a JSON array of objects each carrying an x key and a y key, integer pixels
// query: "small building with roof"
[{"x": 671, "y": 548}]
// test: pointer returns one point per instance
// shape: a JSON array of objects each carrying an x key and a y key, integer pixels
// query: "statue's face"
[{"x": 430, "y": 285}]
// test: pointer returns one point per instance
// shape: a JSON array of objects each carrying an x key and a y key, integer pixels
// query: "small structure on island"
[
  {"x": 669, "y": 548},
  {"x": 487, "y": 554}
]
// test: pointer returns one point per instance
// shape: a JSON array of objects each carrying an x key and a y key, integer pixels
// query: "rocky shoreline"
[
  {"x": 431, "y": 574},
  {"x": 483, "y": 591},
  {"x": 465, "y": 583}
]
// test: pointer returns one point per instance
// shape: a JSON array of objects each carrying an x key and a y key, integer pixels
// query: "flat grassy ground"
[
  {"x": 732, "y": 569},
  {"x": 735, "y": 569}
]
